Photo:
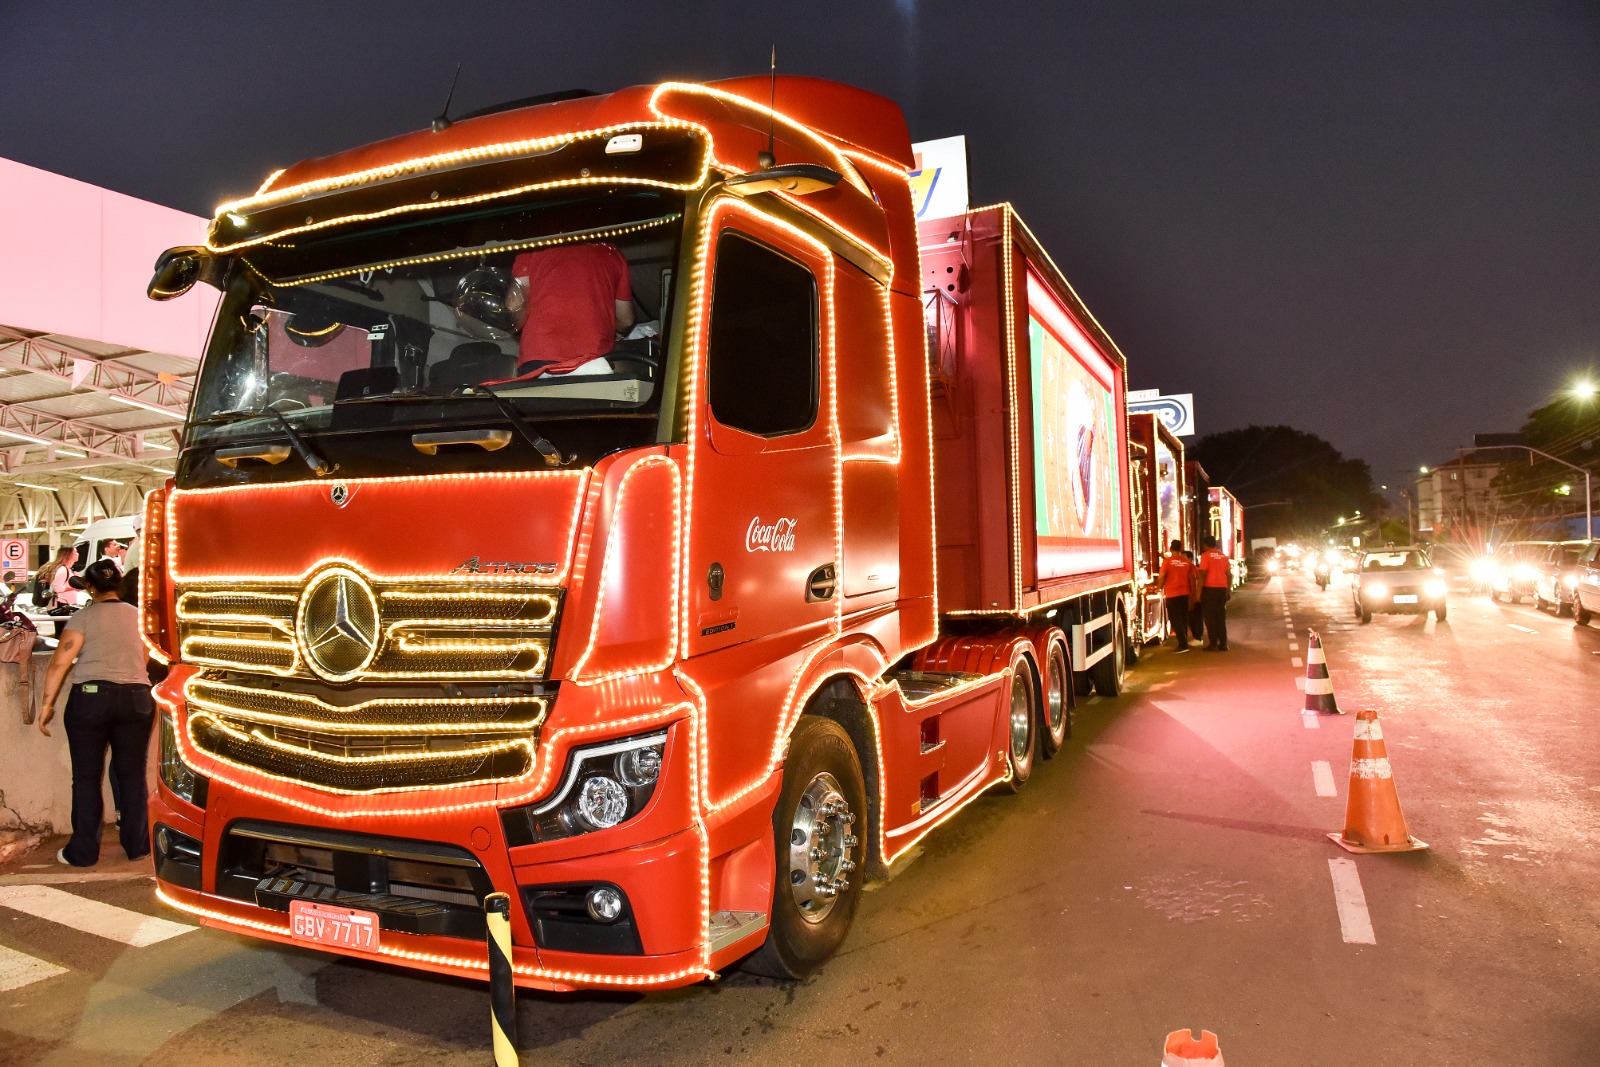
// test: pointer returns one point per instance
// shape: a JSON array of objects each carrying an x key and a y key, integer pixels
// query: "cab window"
[{"x": 761, "y": 354}]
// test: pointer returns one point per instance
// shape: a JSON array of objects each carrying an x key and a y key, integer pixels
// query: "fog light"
[
  {"x": 602, "y": 803},
  {"x": 1435, "y": 588},
  {"x": 604, "y": 904}
]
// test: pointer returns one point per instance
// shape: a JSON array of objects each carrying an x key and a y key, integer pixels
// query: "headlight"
[
  {"x": 1272, "y": 566},
  {"x": 604, "y": 785},
  {"x": 1435, "y": 589},
  {"x": 1570, "y": 581},
  {"x": 177, "y": 775},
  {"x": 1483, "y": 570},
  {"x": 1525, "y": 573},
  {"x": 1376, "y": 590}
]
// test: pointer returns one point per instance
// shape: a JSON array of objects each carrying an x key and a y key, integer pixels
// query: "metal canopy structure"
[{"x": 94, "y": 380}]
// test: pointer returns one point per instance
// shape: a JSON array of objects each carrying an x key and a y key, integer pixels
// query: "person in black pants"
[
  {"x": 1217, "y": 577},
  {"x": 109, "y": 706}
]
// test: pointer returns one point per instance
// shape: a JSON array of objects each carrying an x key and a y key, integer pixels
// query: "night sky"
[{"x": 1377, "y": 222}]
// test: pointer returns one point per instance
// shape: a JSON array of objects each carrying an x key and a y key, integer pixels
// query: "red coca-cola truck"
[{"x": 677, "y": 633}]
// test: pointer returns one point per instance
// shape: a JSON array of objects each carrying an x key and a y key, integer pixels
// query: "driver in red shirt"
[{"x": 577, "y": 298}]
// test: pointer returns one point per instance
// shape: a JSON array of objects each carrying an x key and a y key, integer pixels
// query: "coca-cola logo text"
[{"x": 778, "y": 536}]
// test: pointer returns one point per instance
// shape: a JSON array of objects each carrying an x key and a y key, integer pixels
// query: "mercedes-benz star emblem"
[
  {"x": 338, "y": 624},
  {"x": 340, "y": 495}
]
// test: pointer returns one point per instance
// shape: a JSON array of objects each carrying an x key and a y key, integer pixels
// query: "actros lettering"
[
  {"x": 476, "y": 565},
  {"x": 775, "y": 537}
]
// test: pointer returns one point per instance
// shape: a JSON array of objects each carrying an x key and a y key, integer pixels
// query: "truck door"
[{"x": 763, "y": 546}]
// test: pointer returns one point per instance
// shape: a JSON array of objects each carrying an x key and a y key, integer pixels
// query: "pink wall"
[{"x": 75, "y": 259}]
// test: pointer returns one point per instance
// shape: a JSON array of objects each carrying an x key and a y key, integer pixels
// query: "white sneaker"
[{"x": 61, "y": 857}]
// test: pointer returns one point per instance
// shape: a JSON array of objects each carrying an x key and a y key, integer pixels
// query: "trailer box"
[{"x": 1030, "y": 447}]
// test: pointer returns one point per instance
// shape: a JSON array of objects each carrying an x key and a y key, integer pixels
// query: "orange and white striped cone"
[
  {"x": 1319, "y": 686},
  {"x": 1373, "y": 821},
  {"x": 1184, "y": 1049}
]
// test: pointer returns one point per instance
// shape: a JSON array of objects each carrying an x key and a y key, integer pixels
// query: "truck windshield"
[{"x": 564, "y": 321}]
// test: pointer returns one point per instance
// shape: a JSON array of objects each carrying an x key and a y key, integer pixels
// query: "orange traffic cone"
[
  {"x": 1184, "y": 1049},
  {"x": 1373, "y": 821},
  {"x": 1319, "y": 687}
]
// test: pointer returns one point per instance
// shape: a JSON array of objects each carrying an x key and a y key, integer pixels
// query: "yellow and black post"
[{"x": 502, "y": 992}]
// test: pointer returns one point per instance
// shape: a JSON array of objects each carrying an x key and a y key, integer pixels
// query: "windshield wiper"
[
  {"x": 313, "y": 459},
  {"x": 541, "y": 444}
]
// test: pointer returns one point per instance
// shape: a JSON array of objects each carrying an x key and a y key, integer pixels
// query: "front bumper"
[{"x": 656, "y": 859}]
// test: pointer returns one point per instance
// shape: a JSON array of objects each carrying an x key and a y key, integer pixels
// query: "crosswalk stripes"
[
  {"x": 18, "y": 969},
  {"x": 132, "y": 928},
  {"x": 90, "y": 916}
]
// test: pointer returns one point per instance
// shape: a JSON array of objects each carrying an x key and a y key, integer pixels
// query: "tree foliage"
[
  {"x": 1535, "y": 492},
  {"x": 1296, "y": 484}
]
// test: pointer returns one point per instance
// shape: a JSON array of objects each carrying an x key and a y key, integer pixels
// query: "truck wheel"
[
  {"x": 1022, "y": 727},
  {"x": 1107, "y": 675},
  {"x": 1055, "y": 711},
  {"x": 819, "y": 829}
]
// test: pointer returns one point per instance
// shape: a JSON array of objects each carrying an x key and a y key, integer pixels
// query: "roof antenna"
[
  {"x": 767, "y": 159},
  {"x": 442, "y": 122}
]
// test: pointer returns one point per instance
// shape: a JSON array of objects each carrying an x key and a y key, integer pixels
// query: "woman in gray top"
[{"x": 109, "y": 706}]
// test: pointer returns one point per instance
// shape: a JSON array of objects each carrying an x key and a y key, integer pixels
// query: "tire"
[
  {"x": 1580, "y": 614},
  {"x": 1108, "y": 674},
  {"x": 808, "y": 925},
  {"x": 1539, "y": 603},
  {"x": 1366, "y": 616},
  {"x": 1055, "y": 710},
  {"x": 1022, "y": 720},
  {"x": 1440, "y": 612}
]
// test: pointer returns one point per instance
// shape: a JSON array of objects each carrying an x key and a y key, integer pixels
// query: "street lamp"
[{"x": 1588, "y": 496}]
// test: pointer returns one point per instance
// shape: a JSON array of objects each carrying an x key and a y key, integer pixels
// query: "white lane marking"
[
  {"x": 89, "y": 916},
  {"x": 18, "y": 969},
  {"x": 1322, "y": 777},
  {"x": 1309, "y": 721},
  {"x": 1354, "y": 921},
  {"x": 1524, "y": 629},
  {"x": 1294, "y": 646},
  {"x": 1300, "y": 683},
  {"x": 1296, "y": 661}
]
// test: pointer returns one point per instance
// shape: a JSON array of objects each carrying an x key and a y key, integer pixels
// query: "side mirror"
[
  {"x": 177, "y": 269},
  {"x": 797, "y": 179}
]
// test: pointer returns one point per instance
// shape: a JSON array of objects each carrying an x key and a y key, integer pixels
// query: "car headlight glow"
[
  {"x": 1376, "y": 590},
  {"x": 1570, "y": 581},
  {"x": 1484, "y": 570},
  {"x": 1525, "y": 573},
  {"x": 1435, "y": 588},
  {"x": 1272, "y": 566}
]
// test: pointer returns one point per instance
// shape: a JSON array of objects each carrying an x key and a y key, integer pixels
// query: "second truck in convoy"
[{"x": 677, "y": 641}]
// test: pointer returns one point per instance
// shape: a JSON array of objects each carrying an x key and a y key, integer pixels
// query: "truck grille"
[
  {"x": 438, "y": 631},
  {"x": 383, "y": 743}
]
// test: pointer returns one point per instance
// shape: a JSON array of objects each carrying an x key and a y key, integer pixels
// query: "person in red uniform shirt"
[
  {"x": 1215, "y": 571},
  {"x": 575, "y": 299},
  {"x": 1175, "y": 578}
]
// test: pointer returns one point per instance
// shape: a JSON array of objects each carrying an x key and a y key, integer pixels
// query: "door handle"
[{"x": 822, "y": 583}]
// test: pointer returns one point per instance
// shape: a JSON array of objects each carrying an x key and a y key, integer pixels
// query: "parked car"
[
  {"x": 1558, "y": 576},
  {"x": 1516, "y": 568},
  {"x": 1398, "y": 581},
  {"x": 1586, "y": 592}
]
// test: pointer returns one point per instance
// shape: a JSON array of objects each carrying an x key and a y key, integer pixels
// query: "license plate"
[
  {"x": 1406, "y": 598},
  {"x": 328, "y": 924}
]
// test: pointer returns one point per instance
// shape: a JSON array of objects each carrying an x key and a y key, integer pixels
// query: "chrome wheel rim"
[
  {"x": 1021, "y": 718},
  {"x": 820, "y": 847}
]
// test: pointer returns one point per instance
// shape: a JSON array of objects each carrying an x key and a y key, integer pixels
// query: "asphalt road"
[{"x": 1170, "y": 869}]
